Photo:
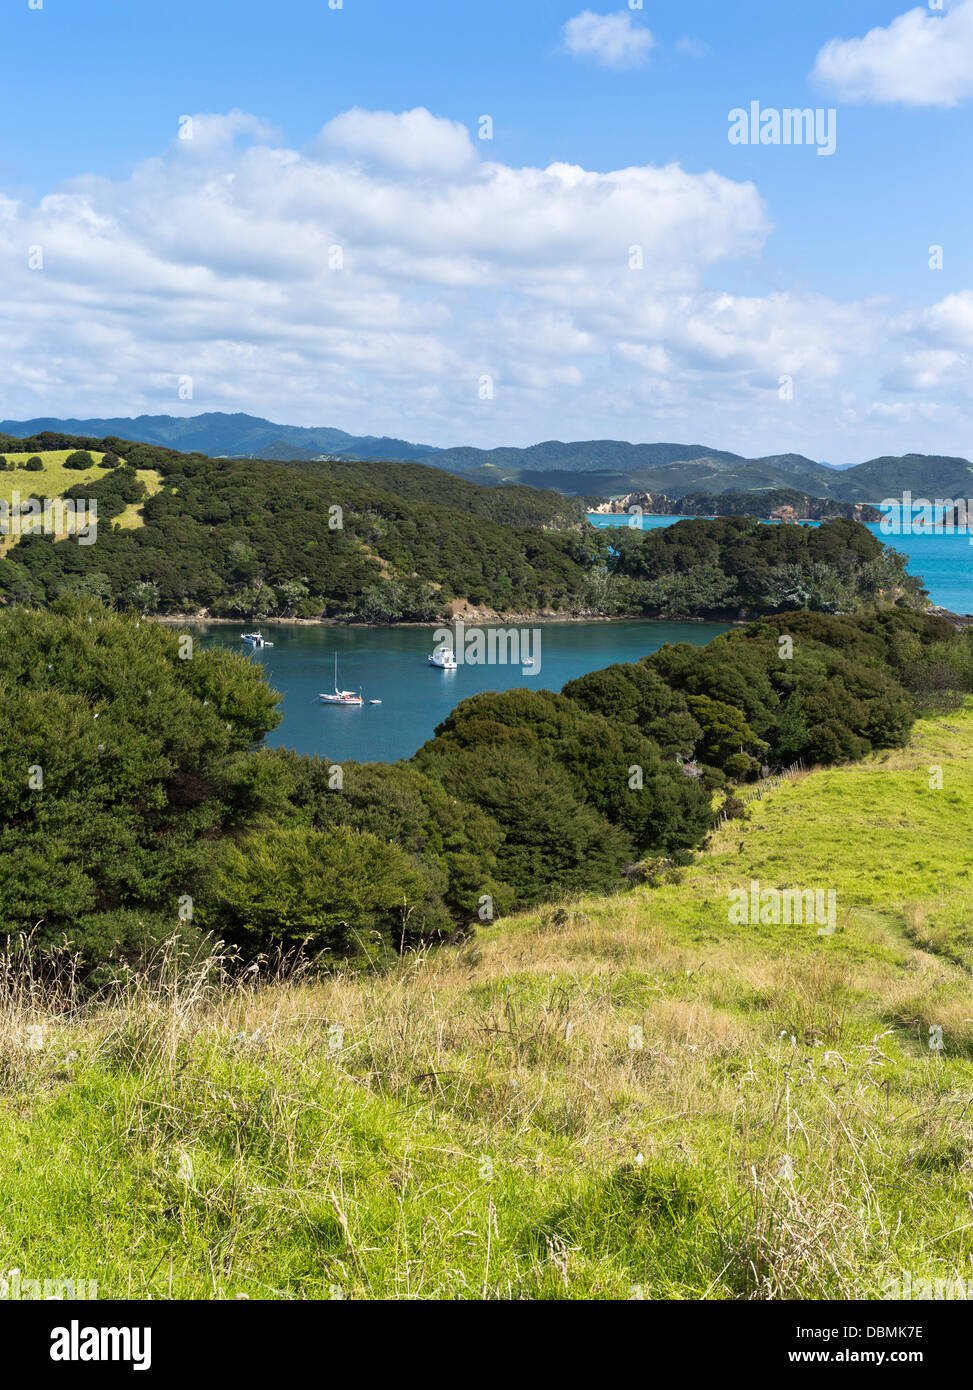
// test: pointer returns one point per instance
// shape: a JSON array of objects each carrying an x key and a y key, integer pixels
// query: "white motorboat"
[
  {"x": 443, "y": 658},
  {"x": 340, "y": 697},
  {"x": 255, "y": 639}
]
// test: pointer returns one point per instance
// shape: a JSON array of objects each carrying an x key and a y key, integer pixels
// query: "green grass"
[
  {"x": 486, "y": 1121},
  {"x": 55, "y": 480}
]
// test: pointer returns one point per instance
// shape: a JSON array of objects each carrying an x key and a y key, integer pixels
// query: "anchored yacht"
[
  {"x": 340, "y": 697},
  {"x": 443, "y": 658}
]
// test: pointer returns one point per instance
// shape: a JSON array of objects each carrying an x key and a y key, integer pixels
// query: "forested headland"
[{"x": 363, "y": 542}]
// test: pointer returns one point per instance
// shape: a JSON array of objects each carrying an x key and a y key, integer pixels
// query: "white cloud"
[
  {"x": 612, "y": 40},
  {"x": 220, "y": 263},
  {"x": 413, "y": 140},
  {"x": 924, "y": 370},
  {"x": 950, "y": 321},
  {"x": 205, "y": 133},
  {"x": 921, "y": 59},
  {"x": 935, "y": 358}
]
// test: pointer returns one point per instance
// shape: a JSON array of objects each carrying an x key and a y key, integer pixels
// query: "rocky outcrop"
[{"x": 651, "y": 503}]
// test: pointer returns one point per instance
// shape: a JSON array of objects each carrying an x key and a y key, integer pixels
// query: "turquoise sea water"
[
  {"x": 390, "y": 664},
  {"x": 945, "y": 562}
]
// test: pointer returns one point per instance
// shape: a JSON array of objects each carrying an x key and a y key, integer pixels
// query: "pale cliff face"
[{"x": 647, "y": 501}]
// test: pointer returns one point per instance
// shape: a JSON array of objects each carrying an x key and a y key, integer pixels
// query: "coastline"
[
  {"x": 487, "y": 617},
  {"x": 471, "y": 618},
  {"x": 474, "y": 617}
]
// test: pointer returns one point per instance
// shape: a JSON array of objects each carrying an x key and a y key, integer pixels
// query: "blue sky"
[{"x": 764, "y": 262}]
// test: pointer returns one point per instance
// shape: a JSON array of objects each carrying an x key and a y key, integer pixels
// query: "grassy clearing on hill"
[
  {"x": 55, "y": 480},
  {"x": 488, "y": 1121}
]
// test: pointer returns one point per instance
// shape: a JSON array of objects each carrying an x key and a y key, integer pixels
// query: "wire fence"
[{"x": 768, "y": 785}]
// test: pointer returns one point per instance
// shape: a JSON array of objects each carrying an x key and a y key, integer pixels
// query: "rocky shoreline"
[
  {"x": 959, "y": 620},
  {"x": 470, "y": 616}
]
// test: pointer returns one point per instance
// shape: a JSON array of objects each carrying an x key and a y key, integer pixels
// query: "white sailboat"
[{"x": 340, "y": 697}]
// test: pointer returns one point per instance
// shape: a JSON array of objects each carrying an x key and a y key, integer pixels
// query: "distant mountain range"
[
  {"x": 589, "y": 456},
  {"x": 235, "y": 436},
  {"x": 608, "y": 468},
  {"x": 599, "y": 467}
]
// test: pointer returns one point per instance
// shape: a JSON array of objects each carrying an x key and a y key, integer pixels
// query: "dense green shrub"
[
  {"x": 453, "y": 844},
  {"x": 576, "y": 795},
  {"x": 329, "y": 890},
  {"x": 710, "y": 567},
  {"x": 121, "y": 766},
  {"x": 849, "y": 684}
]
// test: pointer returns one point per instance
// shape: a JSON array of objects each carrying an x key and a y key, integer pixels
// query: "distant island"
[{"x": 778, "y": 504}]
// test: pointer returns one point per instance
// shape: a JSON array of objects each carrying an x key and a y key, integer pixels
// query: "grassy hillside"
[
  {"x": 621, "y": 1097},
  {"x": 56, "y": 479}
]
